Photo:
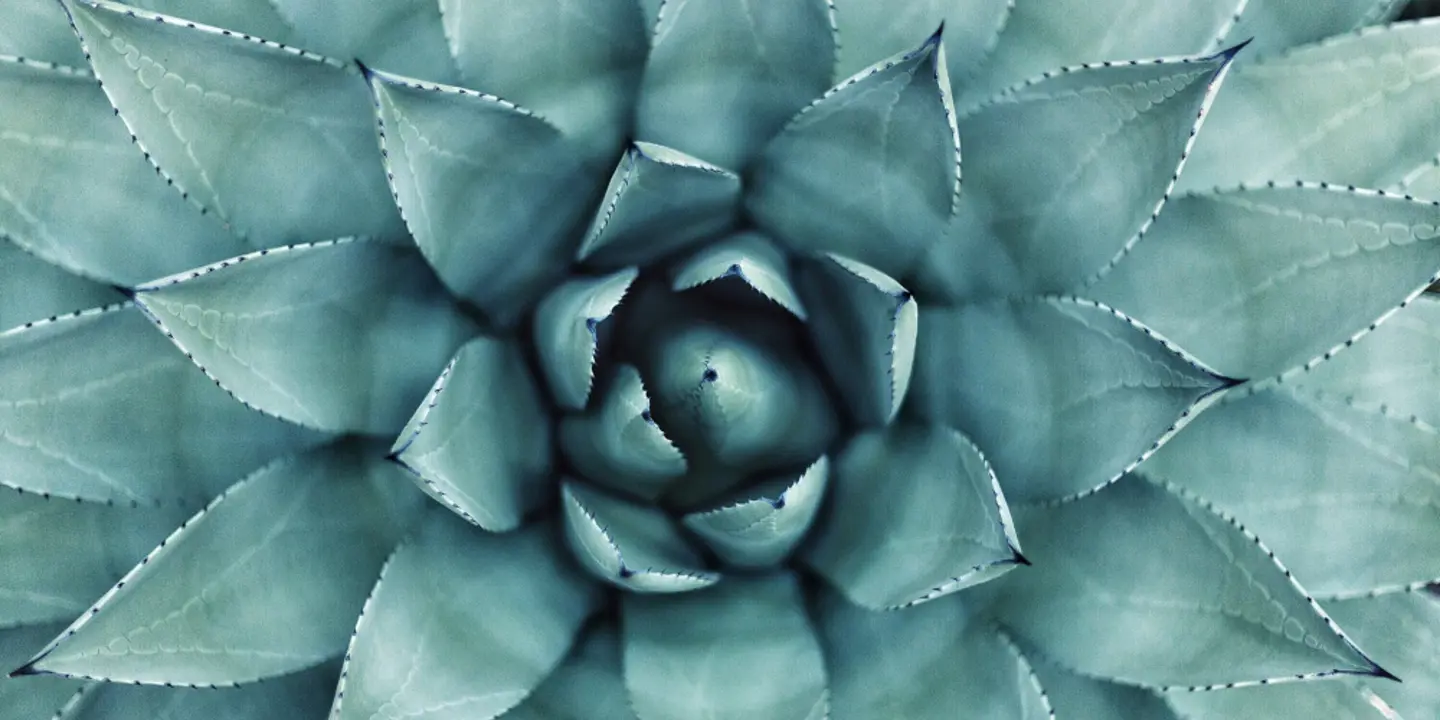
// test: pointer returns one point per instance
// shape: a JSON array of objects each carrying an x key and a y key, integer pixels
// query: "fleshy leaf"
[
  {"x": 914, "y": 513},
  {"x": 480, "y": 442},
  {"x": 35, "y": 289},
  {"x": 589, "y": 684},
  {"x": 98, "y": 406},
  {"x": 200, "y": 610},
  {"x": 871, "y": 31},
  {"x": 568, "y": 333},
  {"x": 748, "y": 257},
  {"x": 1280, "y": 24},
  {"x": 1256, "y": 309},
  {"x": 1157, "y": 590},
  {"x": 276, "y": 142},
  {"x": 1402, "y": 630},
  {"x": 865, "y": 334},
  {"x": 631, "y": 546},
  {"x": 1062, "y": 395},
  {"x": 341, "y": 336},
  {"x": 463, "y": 624},
  {"x": 926, "y": 663},
  {"x": 871, "y": 170},
  {"x": 403, "y": 36},
  {"x": 38, "y": 30},
  {"x": 1077, "y": 696},
  {"x": 1357, "y": 109},
  {"x": 742, "y": 649},
  {"x": 466, "y": 169},
  {"x": 69, "y": 172},
  {"x": 660, "y": 201},
  {"x": 576, "y": 64},
  {"x": 763, "y": 531},
  {"x": 723, "y": 77},
  {"x": 618, "y": 443},
  {"x": 1323, "y": 698},
  {"x": 304, "y": 694},
  {"x": 30, "y": 698},
  {"x": 1068, "y": 172}
]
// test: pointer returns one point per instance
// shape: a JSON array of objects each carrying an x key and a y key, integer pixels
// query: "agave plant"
[{"x": 793, "y": 359}]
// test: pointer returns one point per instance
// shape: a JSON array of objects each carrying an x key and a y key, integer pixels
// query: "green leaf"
[
  {"x": 1354, "y": 110},
  {"x": 660, "y": 201},
  {"x": 631, "y": 546},
  {"x": 74, "y": 190},
  {"x": 466, "y": 169},
  {"x": 200, "y": 610},
  {"x": 567, "y": 328},
  {"x": 723, "y": 77},
  {"x": 871, "y": 170},
  {"x": 35, "y": 289},
  {"x": 98, "y": 406},
  {"x": 1139, "y": 585},
  {"x": 1324, "y": 698},
  {"x": 617, "y": 443},
  {"x": 589, "y": 684},
  {"x": 1402, "y": 630},
  {"x": 742, "y": 649},
  {"x": 865, "y": 335},
  {"x": 748, "y": 257},
  {"x": 915, "y": 513},
  {"x": 577, "y": 65},
  {"x": 304, "y": 694},
  {"x": 1202, "y": 280},
  {"x": 30, "y": 698},
  {"x": 872, "y": 30},
  {"x": 463, "y": 624},
  {"x": 276, "y": 142},
  {"x": 1078, "y": 696},
  {"x": 762, "y": 531},
  {"x": 932, "y": 662},
  {"x": 480, "y": 441},
  {"x": 403, "y": 36},
  {"x": 1280, "y": 24},
  {"x": 38, "y": 30},
  {"x": 1068, "y": 172},
  {"x": 342, "y": 335},
  {"x": 1062, "y": 395}
]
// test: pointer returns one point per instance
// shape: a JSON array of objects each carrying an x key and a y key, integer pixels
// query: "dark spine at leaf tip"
[
  {"x": 1022, "y": 560},
  {"x": 365, "y": 70},
  {"x": 1228, "y": 54},
  {"x": 710, "y": 375},
  {"x": 1381, "y": 672},
  {"x": 26, "y": 669},
  {"x": 935, "y": 37},
  {"x": 129, "y": 293}
]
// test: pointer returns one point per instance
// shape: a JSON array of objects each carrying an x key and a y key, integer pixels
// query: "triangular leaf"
[
  {"x": 748, "y": 257},
  {"x": 35, "y": 289},
  {"x": 763, "y": 531},
  {"x": 1402, "y": 630},
  {"x": 568, "y": 333},
  {"x": 634, "y": 547},
  {"x": 618, "y": 443},
  {"x": 463, "y": 624},
  {"x": 872, "y": 30},
  {"x": 38, "y": 30},
  {"x": 589, "y": 684},
  {"x": 342, "y": 336},
  {"x": 1323, "y": 698},
  {"x": 29, "y": 698},
  {"x": 304, "y": 694}
]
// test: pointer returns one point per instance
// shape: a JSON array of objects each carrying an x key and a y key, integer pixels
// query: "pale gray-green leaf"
[
  {"x": 341, "y": 336},
  {"x": 1402, "y": 631},
  {"x": 463, "y": 624},
  {"x": 1062, "y": 395},
  {"x": 749, "y": 257},
  {"x": 872, "y": 30},
  {"x": 100, "y": 407},
  {"x": 864, "y": 332},
  {"x": 618, "y": 444},
  {"x": 402, "y": 36},
  {"x": 871, "y": 170},
  {"x": 1329, "y": 698},
  {"x": 261, "y": 18},
  {"x": 914, "y": 513},
  {"x": 1137, "y": 584},
  {"x": 38, "y": 30},
  {"x": 632, "y": 546},
  {"x": 1079, "y": 697},
  {"x": 30, "y": 698},
  {"x": 724, "y": 75},
  {"x": 35, "y": 289},
  {"x": 660, "y": 201},
  {"x": 304, "y": 694},
  {"x": 763, "y": 531},
  {"x": 75, "y": 191},
  {"x": 313, "y": 529},
  {"x": 480, "y": 441},
  {"x": 1280, "y": 24},
  {"x": 589, "y": 684},
  {"x": 742, "y": 649},
  {"x": 567, "y": 328},
  {"x": 277, "y": 143},
  {"x": 467, "y": 169}
]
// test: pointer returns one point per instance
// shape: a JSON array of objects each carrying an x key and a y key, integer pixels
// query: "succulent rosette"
[{"x": 779, "y": 359}]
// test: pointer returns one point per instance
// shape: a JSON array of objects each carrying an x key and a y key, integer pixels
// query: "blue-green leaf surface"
[
  {"x": 30, "y": 698},
  {"x": 99, "y": 407},
  {"x": 480, "y": 441},
  {"x": 742, "y": 649},
  {"x": 871, "y": 170},
  {"x": 341, "y": 336},
  {"x": 463, "y": 624},
  {"x": 1279, "y": 24},
  {"x": 200, "y": 610},
  {"x": 872, "y": 30},
  {"x": 1137, "y": 584},
  {"x": 1323, "y": 698},
  {"x": 1402, "y": 631},
  {"x": 38, "y": 30},
  {"x": 75, "y": 190},
  {"x": 914, "y": 513},
  {"x": 763, "y": 530},
  {"x": 403, "y": 36},
  {"x": 35, "y": 289},
  {"x": 748, "y": 257},
  {"x": 659, "y": 201},
  {"x": 1253, "y": 308},
  {"x": 277, "y": 143},
  {"x": 933, "y": 662},
  {"x": 723, "y": 76},
  {"x": 589, "y": 684},
  {"x": 305, "y": 694},
  {"x": 1062, "y": 395},
  {"x": 468, "y": 170},
  {"x": 632, "y": 546},
  {"x": 618, "y": 444},
  {"x": 1077, "y": 696},
  {"x": 261, "y": 18},
  {"x": 864, "y": 330},
  {"x": 567, "y": 328}
]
